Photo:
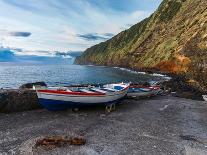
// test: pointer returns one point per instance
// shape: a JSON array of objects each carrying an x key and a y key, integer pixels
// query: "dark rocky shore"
[
  {"x": 162, "y": 125},
  {"x": 22, "y": 99}
]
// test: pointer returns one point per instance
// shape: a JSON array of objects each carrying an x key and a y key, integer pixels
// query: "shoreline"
[
  {"x": 146, "y": 70},
  {"x": 24, "y": 99},
  {"x": 180, "y": 81}
]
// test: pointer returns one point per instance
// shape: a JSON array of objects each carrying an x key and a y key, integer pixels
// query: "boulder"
[
  {"x": 18, "y": 100},
  {"x": 30, "y": 85},
  {"x": 181, "y": 88}
]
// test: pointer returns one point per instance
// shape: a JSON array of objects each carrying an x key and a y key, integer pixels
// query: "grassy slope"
[{"x": 171, "y": 39}]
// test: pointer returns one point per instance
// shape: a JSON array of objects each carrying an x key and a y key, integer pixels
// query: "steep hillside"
[{"x": 172, "y": 39}]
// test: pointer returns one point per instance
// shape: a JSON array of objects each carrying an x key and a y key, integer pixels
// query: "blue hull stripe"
[{"x": 56, "y": 105}]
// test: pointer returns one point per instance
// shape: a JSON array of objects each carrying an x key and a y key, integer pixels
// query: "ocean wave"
[
  {"x": 156, "y": 74},
  {"x": 96, "y": 66},
  {"x": 138, "y": 72},
  {"x": 129, "y": 70}
]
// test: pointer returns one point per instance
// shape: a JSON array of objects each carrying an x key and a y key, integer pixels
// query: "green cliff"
[{"x": 172, "y": 39}]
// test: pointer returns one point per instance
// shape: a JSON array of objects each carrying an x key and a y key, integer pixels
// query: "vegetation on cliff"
[{"x": 172, "y": 39}]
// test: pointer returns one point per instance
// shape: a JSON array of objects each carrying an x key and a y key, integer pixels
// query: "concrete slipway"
[{"x": 160, "y": 125}]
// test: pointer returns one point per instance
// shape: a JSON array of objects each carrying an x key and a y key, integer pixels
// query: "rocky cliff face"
[{"x": 172, "y": 39}]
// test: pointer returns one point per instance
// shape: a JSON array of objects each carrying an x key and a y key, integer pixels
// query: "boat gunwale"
[
  {"x": 144, "y": 87},
  {"x": 69, "y": 93},
  {"x": 56, "y": 92}
]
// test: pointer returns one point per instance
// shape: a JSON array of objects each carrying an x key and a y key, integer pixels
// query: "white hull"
[{"x": 83, "y": 99}]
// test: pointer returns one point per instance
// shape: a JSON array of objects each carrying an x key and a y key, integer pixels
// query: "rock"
[
  {"x": 181, "y": 88},
  {"x": 18, "y": 100},
  {"x": 30, "y": 85}
]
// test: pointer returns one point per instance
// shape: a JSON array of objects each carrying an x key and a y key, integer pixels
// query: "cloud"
[
  {"x": 62, "y": 54},
  {"x": 109, "y": 34},
  {"x": 75, "y": 53},
  {"x": 68, "y": 54},
  {"x": 20, "y": 34},
  {"x": 60, "y": 23},
  {"x": 11, "y": 56},
  {"x": 95, "y": 36},
  {"x": 4, "y": 32},
  {"x": 91, "y": 37},
  {"x": 6, "y": 55},
  {"x": 22, "y": 5}
]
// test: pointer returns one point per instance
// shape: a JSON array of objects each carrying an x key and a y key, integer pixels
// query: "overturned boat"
[
  {"x": 61, "y": 98},
  {"x": 143, "y": 91}
]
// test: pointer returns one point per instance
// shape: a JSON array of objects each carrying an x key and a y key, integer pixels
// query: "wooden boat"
[
  {"x": 143, "y": 91},
  {"x": 205, "y": 97},
  {"x": 61, "y": 98}
]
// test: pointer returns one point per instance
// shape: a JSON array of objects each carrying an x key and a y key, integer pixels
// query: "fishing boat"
[
  {"x": 156, "y": 90},
  {"x": 143, "y": 91},
  {"x": 205, "y": 97},
  {"x": 61, "y": 98}
]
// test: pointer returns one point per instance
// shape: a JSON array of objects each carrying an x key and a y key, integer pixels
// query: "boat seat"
[
  {"x": 86, "y": 91},
  {"x": 62, "y": 89},
  {"x": 99, "y": 90},
  {"x": 110, "y": 89},
  {"x": 118, "y": 87}
]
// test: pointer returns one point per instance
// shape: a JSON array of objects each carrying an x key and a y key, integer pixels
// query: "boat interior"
[{"x": 90, "y": 89}]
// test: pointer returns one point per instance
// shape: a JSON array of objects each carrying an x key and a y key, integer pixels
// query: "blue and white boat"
[
  {"x": 56, "y": 98},
  {"x": 143, "y": 91}
]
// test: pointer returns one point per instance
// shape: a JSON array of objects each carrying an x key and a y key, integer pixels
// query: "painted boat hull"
[
  {"x": 139, "y": 94},
  {"x": 143, "y": 92},
  {"x": 58, "y": 105},
  {"x": 157, "y": 91},
  {"x": 56, "y": 102}
]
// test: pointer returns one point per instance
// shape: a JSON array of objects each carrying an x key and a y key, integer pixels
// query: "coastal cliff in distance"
[{"x": 173, "y": 39}]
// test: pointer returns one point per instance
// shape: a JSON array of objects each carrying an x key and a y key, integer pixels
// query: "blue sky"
[{"x": 36, "y": 26}]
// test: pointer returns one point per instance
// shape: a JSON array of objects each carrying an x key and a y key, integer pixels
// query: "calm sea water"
[{"x": 13, "y": 75}]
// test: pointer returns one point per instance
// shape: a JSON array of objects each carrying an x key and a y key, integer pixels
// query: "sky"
[{"x": 40, "y": 27}]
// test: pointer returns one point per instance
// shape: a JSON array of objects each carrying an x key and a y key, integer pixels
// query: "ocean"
[{"x": 14, "y": 75}]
